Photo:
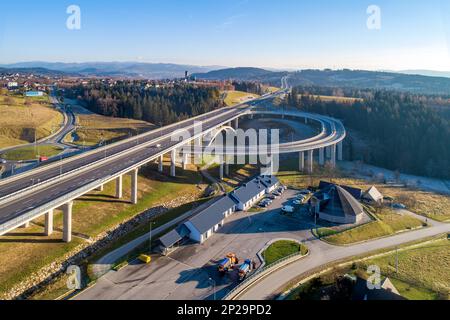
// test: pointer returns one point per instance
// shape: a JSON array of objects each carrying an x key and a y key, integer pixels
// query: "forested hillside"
[
  {"x": 405, "y": 134},
  {"x": 156, "y": 105}
]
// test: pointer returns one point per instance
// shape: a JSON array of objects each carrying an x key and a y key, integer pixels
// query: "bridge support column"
[
  {"x": 134, "y": 186},
  {"x": 310, "y": 162},
  {"x": 321, "y": 156},
  {"x": 101, "y": 188},
  {"x": 173, "y": 164},
  {"x": 161, "y": 163},
  {"x": 198, "y": 158},
  {"x": 340, "y": 147},
  {"x": 301, "y": 161},
  {"x": 236, "y": 124},
  {"x": 328, "y": 151},
  {"x": 49, "y": 223},
  {"x": 333, "y": 156},
  {"x": 67, "y": 221},
  {"x": 221, "y": 170},
  {"x": 119, "y": 184},
  {"x": 306, "y": 120},
  {"x": 185, "y": 160},
  {"x": 227, "y": 169},
  {"x": 25, "y": 225}
]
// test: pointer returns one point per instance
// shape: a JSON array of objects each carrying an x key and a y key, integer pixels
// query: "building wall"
[
  {"x": 341, "y": 220},
  {"x": 194, "y": 235}
]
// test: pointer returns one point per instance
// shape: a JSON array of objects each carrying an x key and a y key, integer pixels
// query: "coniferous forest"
[
  {"x": 404, "y": 132},
  {"x": 161, "y": 106}
]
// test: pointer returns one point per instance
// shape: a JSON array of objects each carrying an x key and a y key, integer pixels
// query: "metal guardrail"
[
  {"x": 263, "y": 272},
  {"x": 36, "y": 212},
  {"x": 32, "y": 188}
]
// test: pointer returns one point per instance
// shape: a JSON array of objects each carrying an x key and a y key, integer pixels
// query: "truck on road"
[
  {"x": 228, "y": 263},
  {"x": 245, "y": 269}
]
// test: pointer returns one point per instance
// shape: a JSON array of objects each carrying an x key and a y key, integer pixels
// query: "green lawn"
[
  {"x": 423, "y": 271},
  {"x": 388, "y": 223},
  {"x": 31, "y": 153},
  {"x": 282, "y": 249}
]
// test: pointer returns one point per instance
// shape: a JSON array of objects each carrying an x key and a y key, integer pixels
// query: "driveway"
[{"x": 185, "y": 275}]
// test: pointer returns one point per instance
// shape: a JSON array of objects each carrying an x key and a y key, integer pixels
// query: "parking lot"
[{"x": 191, "y": 271}]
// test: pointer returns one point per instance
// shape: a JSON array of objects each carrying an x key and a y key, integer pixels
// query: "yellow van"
[{"x": 145, "y": 258}]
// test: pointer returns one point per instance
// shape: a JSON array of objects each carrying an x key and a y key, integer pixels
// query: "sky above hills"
[{"x": 413, "y": 34}]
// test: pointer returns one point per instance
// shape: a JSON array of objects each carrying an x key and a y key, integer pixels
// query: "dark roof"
[
  {"x": 212, "y": 215},
  {"x": 362, "y": 292},
  {"x": 355, "y": 192},
  {"x": 269, "y": 181},
  {"x": 170, "y": 239},
  {"x": 341, "y": 203},
  {"x": 248, "y": 190}
]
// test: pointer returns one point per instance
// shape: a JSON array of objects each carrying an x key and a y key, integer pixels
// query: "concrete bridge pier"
[
  {"x": 173, "y": 164},
  {"x": 185, "y": 160},
  {"x": 310, "y": 161},
  {"x": 301, "y": 161},
  {"x": 49, "y": 223},
  {"x": 67, "y": 221},
  {"x": 328, "y": 152},
  {"x": 236, "y": 124},
  {"x": 134, "y": 186},
  {"x": 119, "y": 185},
  {"x": 25, "y": 225},
  {"x": 321, "y": 156},
  {"x": 340, "y": 147},
  {"x": 333, "y": 156},
  {"x": 161, "y": 164},
  {"x": 101, "y": 188}
]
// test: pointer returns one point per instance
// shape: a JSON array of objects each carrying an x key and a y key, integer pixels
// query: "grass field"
[
  {"x": 236, "y": 97},
  {"x": 95, "y": 128},
  {"x": 25, "y": 251},
  {"x": 21, "y": 119},
  {"x": 31, "y": 153},
  {"x": 282, "y": 249},
  {"x": 344, "y": 100},
  {"x": 423, "y": 272}
]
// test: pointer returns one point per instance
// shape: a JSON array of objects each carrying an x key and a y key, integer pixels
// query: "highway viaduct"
[{"x": 39, "y": 192}]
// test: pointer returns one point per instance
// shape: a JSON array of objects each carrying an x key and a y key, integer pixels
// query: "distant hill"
[
  {"x": 244, "y": 74},
  {"x": 41, "y": 71},
  {"x": 428, "y": 73},
  {"x": 339, "y": 78},
  {"x": 117, "y": 69}
]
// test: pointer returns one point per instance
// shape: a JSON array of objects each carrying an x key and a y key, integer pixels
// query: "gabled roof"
[
  {"x": 269, "y": 181},
  {"x": 355, "y": 192},
  {"x": 373, "y": 194},
  {"x": 249, "y": 190},
  {"x": 341, "y": 203},
  {"x": 213, "y": 215}
]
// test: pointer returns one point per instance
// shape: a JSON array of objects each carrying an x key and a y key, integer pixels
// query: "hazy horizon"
[{"x": 292, "y": 35}]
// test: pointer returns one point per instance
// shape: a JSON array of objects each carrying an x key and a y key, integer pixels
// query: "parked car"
[
  {"x": 277, "y": 194},
  {"x": 297, "y": 202},
  {"x": 280, "y": 190},
  {"x": 288, "y": 209},
  {"x": 305, "y": 192},
  {"x": 399, "y": 206}
]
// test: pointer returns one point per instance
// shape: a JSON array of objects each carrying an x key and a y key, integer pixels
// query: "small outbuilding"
[
  {"x": 373, "y": 195},
  {"x": 270, "y": 182}
]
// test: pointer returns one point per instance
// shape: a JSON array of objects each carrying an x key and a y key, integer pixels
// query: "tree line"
[
  {"x": 132, "y": 99},
  {"x": 404, "y": 133}
]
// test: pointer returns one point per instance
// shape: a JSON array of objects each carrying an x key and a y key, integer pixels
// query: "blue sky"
[{"x": 414, "y": 34}]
